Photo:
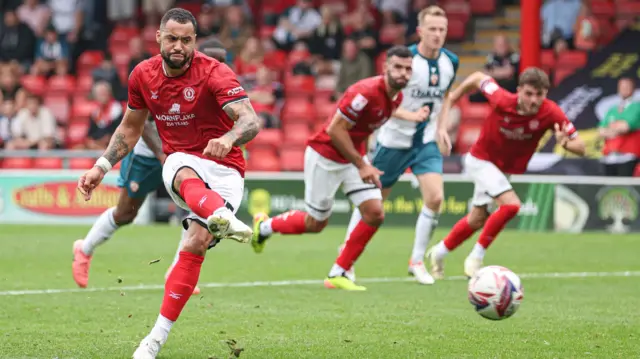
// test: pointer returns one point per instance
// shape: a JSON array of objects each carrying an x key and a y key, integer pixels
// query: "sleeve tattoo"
[
  {"x": 247, "y": 122},
  {"x": 118, "y": 148}
]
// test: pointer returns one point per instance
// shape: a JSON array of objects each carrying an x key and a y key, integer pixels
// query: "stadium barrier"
[{"x": 549, "y": 203}]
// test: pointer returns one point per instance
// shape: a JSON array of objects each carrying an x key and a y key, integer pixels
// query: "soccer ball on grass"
[{"x": 495, "y": 292}]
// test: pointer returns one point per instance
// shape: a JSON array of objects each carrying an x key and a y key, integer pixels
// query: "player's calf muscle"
[
  {"x": 197, "y": 240},
  {"x": 478, "y": 217},
  {"x": 313, "y": 225}
]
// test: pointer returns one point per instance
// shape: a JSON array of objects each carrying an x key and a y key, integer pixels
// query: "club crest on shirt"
[
  {"x": 534, "y": 124},
  {"x": 359, "y": 102},
  {"x": 189, "y": 93},
  {"x": 434, "y": 79}
]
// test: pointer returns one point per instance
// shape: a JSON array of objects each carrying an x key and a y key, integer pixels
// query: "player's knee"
[
  {"x": 124, "y": 215},
  {"x": 314, "y": 225},
  {"x": 433, "y": 201},
  {"x": 197, "y": 239},
  {"x": 183, "y": 174},
  {"x": 373, "y": 215}
]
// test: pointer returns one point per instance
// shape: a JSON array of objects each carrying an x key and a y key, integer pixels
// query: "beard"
[
  {"x": 395, "y": 84},
  {"x": 175, "y": 65}
]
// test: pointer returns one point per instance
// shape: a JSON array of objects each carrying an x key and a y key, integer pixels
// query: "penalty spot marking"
[{"x": 287, "y": 283}]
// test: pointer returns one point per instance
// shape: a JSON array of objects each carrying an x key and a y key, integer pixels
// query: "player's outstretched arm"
[
  {"x": 126, "y": 135},
  {"x": 247, "y": 121},
  {"x": 152, "y": 139},
  {"x": 471, "y": 83},
  {"x": 338, "y": 130}
]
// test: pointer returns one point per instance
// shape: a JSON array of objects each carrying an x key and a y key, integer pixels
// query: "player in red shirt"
[
  {"x": 508, "y": 139},
  {"x": 335, "y": 157},
  {"x": 203, "y": 115}
]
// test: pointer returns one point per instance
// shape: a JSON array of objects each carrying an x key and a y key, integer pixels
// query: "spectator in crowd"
[
  {"x": 7, "y": 114},
  {"x": 105, "y": 118},
  {"x": 249, "y": 60},
  {"x": 296, "y": 24},
  {"x": 326, "y": 40},
  {"x": 208, "y": 23},
  {"x": 34, "y": 127},
  {"x": 108, "y": 72},
  {"x": 558, "y": 17},
  {"x": 363, "y": 11},
  {"x": 66, "y": 17},
  {"x": 10, "y": 88},
  {"x": 16, "y": 42},
  {"x": 503, "y": 64},
  {"x": 154, "y": 9},
  {"x": 365, "y": 35},
  {"x": 393, "y": 11},
  {"x": 235, "y": 31},
  {"x": 412, "y": 20},
  {"x": 586, "y": 29},
  {"x": 35, "y": 15},
  {"x": 620, "y": 130},
  {"x": 355, "y": 66},
  {"x": 137, "y": 52},
  {"x": 50, "y": 52},
  {"x": 265, "y": 97},
  {"x": 121, "y": 11}
]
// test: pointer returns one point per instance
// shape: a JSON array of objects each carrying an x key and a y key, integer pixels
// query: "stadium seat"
[
  {"x": 121, "y": 59},
  {"x": 483, "y": 7},
  {"x": 560, "y": 74},
  {"x": 603, "y": 9},
  {"x": 149, "y": 34},
  {"x": 380, "y": 59},
  {"x": 84, "y": 85},
  {"x": 81, "y": 163},
  {"x": 571, "y": 59},
  {"x": 458, "y": 9},
  {"x": 475, "y": 112},
  {"x": 34, "y": 84},
  {"x": 296, "y": 135},
  {"x": 63, "y": 85},
  {"x": 456, "y": 30},
  {"x": 121, "y": 35},
  {"x": 59, "y": 106},
  {"x": 262, "y": 159},
  {"x": 299, "y": 86},
  {"x": 297, "y": 56},
  {"x": 467, "y": 135},
  {"x": 270, "y": 138},
  {"x": 76, "y": 133},
  {"x": 324, "y": 110},
  {"x": 298, "y": 111},
  {"x": 82, "y": 109},
  {"x": 89, "y": 60},
  {"x": 391, "y": 33},
  {"x": 276, "y": 60},
  {"x": 547, "y": 59},
  {"x": 47, "y": 163},
  {"x": 292, "y": 159},
  {"x": 267, "y": 31},
  {"x": 17, "y": 163}
]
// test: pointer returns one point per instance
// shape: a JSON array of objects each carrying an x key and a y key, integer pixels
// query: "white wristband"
[{"x": 103, "y": 164}]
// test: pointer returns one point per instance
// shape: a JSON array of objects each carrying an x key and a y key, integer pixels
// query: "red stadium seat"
[
  {"x": 572, "y": 59},
  {"x": 17, "y": 163},
  {"x": 149, "y": 34},
  {"x": 88, "y": 60},
  {"x": 121, "y": 35},
  {"x": 76, "y": 133},
  {"x": 81, "y": 163},
  {"x": 261, "y": 159},
  {"x": 121, "y": 59},
  {"x": 458, "y": 9},
  {"x": 560, "y": 74},
  {"x": 475, "y": 112},
  {"x": 483, "y": 7},
  {"x": 269, "y": 138},
  {"x": 59, "y": 106},
  {"x": 46, "y": 163},
  {"x": 391, "y": 33},
  {"x": 34, "y": 84},
  {"x": 292, "y": 159},
  {"x": 456, "y": 30},
  {"x": 300, "y": 86},
  {"x": 297, "y": 56},
  {"x": 380, "y": 59},
  {"x": 467, "y": 135},
  {"x": 61, "y": 85},
  {"x": 82, "y": 109},
  {"x": 324, "y": 110},
  {"x": 84, "y": 85},
  {"x": 602, "y": 9},
  {"x": 548, "y": 59},
  {"x": 276, "y": 60},
  {"x": 298, "y": 111},
  {"x": 296, "y": 135}
]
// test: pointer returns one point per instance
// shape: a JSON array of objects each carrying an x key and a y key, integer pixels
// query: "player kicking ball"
[
  {"x": 140, "y": 174},
  {"x": 335, "y": 157},
  {"x": 407, "y": 141},
  {"x": 508, "y": 139},
  {"x": 203, "y": 115}
]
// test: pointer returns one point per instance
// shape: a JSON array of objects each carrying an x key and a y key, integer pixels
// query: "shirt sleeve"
[
  {"x": 136, "y": 99},
  {"x": 352, "y": 105},
  {"x": 634, "y": 116},
  {"x": 224, "y": 84},
  {"x": 496, "y": 95},
  {"x": 561, "y": 119},
  {"x": 48, "y": 122}
]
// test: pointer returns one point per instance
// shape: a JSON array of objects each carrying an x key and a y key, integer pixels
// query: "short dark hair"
[
  {"x": 534, "y": 77},
  {"x": 179, "y": 15},
  {"x": 399, "y": 51},
  {"x": 214, "y": 48}
]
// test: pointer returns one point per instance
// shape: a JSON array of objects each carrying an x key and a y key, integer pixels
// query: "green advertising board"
[{"x": 404, "y": 204}]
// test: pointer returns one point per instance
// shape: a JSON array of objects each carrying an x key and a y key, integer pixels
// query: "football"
[{"x": 495, "y": 292}]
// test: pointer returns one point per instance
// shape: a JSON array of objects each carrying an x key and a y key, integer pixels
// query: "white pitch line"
[{"x": 283, "y": 283}]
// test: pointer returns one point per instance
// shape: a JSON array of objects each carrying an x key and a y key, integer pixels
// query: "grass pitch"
[{"x": 273, "y": 305}]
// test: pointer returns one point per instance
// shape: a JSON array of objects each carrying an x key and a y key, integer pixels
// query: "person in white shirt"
[{"x": 33, "y": 128}]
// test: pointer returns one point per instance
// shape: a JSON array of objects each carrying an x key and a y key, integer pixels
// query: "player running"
[
  {"x": 203, "y": 116},
  {"x": 509, "y": 137},
  {"x": 140, "y": 174},
  {"x": 408, "y": 142},
  {"x": 335, "y": 157}
]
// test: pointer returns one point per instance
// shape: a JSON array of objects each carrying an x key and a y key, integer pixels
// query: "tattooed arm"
[
  {"x": 247, "y": 121},
  {"x": 126, "y": 135},
  {"x": 152, "y": 139}
]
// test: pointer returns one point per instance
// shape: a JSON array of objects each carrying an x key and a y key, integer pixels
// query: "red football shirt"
[
  {"x": 367, "y": 106},
  {"x": 188, "y": 109},
  {"x": 509, "y": 139}
]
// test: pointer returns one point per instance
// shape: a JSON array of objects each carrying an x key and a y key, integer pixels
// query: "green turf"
[{"x": 559, "y": 318}]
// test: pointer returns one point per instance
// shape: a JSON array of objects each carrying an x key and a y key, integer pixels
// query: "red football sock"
[
  {"x": 460, "y": 232},
  {"x": 180, "y": 283},
  {"x": 496, "y": 222},
  {"x": 353, "y": 248},
  {"x": 201, "y": 200},
  {"x": 291, "y": 222}
]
